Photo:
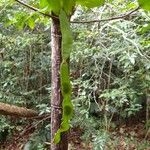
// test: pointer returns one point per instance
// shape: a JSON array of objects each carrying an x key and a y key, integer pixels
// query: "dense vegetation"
[{"x": 110, "y": 74}]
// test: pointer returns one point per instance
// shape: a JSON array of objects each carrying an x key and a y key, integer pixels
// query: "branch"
[
  {"x": 90, "y": 21},
  {"x": 12, "y": 110},
  {"x": 109, "y": 19},
  {"x": 35, "y": 9}
]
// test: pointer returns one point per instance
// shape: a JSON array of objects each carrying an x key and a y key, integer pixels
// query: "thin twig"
[{"x": 108, "y": 19}]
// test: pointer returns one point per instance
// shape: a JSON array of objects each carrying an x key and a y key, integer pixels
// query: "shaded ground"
[{"x": 126, "y": 137}]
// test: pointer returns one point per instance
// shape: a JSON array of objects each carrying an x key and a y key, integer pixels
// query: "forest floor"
[
  {"x": 125, "y": 137},
  {"x": 129, "y": 136}
]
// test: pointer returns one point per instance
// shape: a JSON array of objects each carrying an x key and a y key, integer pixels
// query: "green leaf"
[
  {"x": 67, "y": 39},
  {"x": 31, "y": 23},
  {"x": 55, "y": 6},
  {"x": 65, "y": 79},
  {"x": 44, "y": 6},
  {"x": 43, "y": 3},
  {"x": 145, "y": 4},
  {"x": 67, "y": 104},
  {"x": 68, "y": 6},
  {"x": 21, "y": 20},
  {"x": 90, "y": 3}
]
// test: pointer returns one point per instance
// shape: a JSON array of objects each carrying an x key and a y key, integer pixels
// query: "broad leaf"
[
  {"x": 55, "y": 5},
  {"x": 67, "y": 39},
  {"x": 68, "y": 6},
  {"x": 43, "y": 3},
  {"x": 145, "y": 4},
  {"x": 90, "y": 3},
  {"x": 31, "y": 23}
]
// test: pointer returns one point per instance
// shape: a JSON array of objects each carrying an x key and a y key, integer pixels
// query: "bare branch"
[{"x": 109, "y": 19}]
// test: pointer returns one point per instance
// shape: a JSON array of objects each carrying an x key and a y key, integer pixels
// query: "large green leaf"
[
  {"x": 68, "y": 6},
  {"x": 43, "y": 4},
  {"x": 90, "y": 3},
  {"x": 31, "y": 23},
  {"x": 55, "y": 5},
  {"x": 145, "y": 4},
  {"x": 67, "y": 38}
]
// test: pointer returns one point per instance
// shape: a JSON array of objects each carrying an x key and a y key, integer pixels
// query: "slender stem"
[{"x": 109, "y": 19}]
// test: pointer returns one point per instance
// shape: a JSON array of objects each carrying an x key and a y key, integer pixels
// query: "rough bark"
[
  {"x": 56, "y": 97},
  {"x": 12, "y": 110}
]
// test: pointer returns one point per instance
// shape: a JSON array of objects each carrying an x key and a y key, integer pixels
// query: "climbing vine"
[
  {"x": 64, "y": 75},
  {"x": 63, "y": 9},
  {"x": 67, "y": 41}
]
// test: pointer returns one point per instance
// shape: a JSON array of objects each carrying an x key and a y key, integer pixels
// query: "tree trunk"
[{"x": 56, "y": 97}]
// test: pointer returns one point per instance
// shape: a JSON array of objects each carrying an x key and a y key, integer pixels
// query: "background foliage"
[{"x": 110, "y": 68}]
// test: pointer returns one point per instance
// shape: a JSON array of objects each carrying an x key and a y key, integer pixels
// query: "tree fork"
[{"x": 56, "y": 96}]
